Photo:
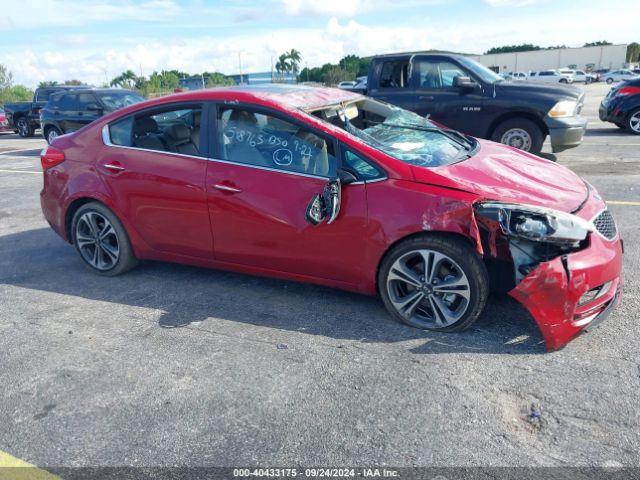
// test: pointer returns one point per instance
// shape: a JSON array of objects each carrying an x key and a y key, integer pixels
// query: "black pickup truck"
[
  {"x": 25, "y": 116},
  {"x": 462, "y": 94}
]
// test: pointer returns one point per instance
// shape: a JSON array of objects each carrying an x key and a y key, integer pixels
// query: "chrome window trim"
[
  {"x": 596, "y": 230},
  {"x": 106, "y": 140}
]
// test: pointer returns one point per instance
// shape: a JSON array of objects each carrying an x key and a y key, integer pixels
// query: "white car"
[
  {"x": 517, "y": 76},
  {"x": 620, "y": 76},
  {"x": 551, "y": 76},
  {"x": 347, "y": 85},
  {"x": 579, "y": 76}
]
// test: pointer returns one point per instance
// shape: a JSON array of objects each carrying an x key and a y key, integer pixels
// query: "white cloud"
[
  {"x": 338, "y": 8},
  {"x": 512, "y": 3}
]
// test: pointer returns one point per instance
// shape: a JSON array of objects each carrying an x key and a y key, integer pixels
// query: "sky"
[{"x": 95, "y": 40}]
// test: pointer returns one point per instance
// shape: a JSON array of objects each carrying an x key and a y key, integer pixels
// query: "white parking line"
[
  {"x": 19, "y": 171},
  {"x": 18, "y": 151}
]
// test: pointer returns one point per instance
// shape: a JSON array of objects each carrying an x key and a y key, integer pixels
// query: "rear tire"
[
  {"x": 101, "y": 240},
  {"x": 609, "y": 81},
  {"x": 51, "y": 133},
  {"x": 434, "y": 283},
  {"x": 25, "y": 130},
  {"x": 520, "y": 133},
  {"x": 564, "y": 80},
  {"x": 633, "y": 122}
]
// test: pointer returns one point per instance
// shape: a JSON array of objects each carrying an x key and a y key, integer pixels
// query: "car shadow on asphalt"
[{"x": 39, "y": 260}]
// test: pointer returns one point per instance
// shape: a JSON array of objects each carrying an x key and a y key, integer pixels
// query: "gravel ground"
[{"x": 174, "y": 365}]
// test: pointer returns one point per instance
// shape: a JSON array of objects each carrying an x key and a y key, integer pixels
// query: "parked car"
[
  {"x": 24, "y": 116},
  {"x": 551, "y": 76},
  {"x": 70, "y": 110},
  {"x": 578, "y": 76},
  {"x": 619, "y": 76},
  {"x": 518, "y": 76},
  {"x": 360, "y": 85},
  {"x": 347, "y": 84},
  {"x": 622, "y": 106},
  {"x": 4, "y": 124},
  {"x": 337, "y": 189},
  {"x": 462, "y": 94}
]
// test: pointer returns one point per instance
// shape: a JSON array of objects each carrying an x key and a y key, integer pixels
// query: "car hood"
[
  {"x": 502, "y": 173},
  {"x": 554, "y": 91}
]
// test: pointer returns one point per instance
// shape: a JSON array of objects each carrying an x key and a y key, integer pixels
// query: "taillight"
[
  {"x": 50, "y": 157},
  {"x": 628, "y": 91}
]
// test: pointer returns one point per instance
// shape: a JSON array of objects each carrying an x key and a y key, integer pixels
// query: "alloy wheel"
[
  {"x": 97, "y": 241},
  {"x": 429, "y": 289},
  {"x": 52, "y": 135},
  {"x": 634, "y": 122},
  {"x": 518, "y": 138},
  {"x": 23, "y": 127}
]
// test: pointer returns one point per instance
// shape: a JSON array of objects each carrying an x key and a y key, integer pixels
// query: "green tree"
[
  {"x": 217, "y": 79},
  {"x": 126, "y": 79},
  {"x": 525, "y": 47},
  {"x": 335, "y": 75},
  {"x": 6, "y": 77},
  {"x": 597, "y": 44},
  {"x": 633, "y": 52},
  {"x": 15, "y": 93},
  {"x": 48, "y": 83},
  {"x": 73, "y": 82}
]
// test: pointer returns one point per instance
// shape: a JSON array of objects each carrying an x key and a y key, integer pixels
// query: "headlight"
[
  {"x": 564, "y": 108},
  {"x": 535, "y": 223}
]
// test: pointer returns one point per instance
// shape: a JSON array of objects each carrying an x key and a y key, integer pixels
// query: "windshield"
[
  {"x": 486, "y": 75},
  {"x": 400, "y": 133},
  {"x": 116, "y": 100}
]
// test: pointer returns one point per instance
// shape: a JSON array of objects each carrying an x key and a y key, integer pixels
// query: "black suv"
[
  {"x": 464, "y": 95},
  {"x": 67, "y": 112}
]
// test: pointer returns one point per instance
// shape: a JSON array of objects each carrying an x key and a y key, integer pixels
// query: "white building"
[{"x": 606, "y": 56}]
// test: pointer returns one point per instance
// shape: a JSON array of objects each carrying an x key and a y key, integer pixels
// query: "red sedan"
[
  {"x": 4, "y": 124},
  {"x": 333, "y": 188}
]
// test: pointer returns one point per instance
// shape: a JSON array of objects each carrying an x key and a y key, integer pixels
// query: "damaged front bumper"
[
  {"x": 565, "y": 289},
  {"x": 574, "y": 292}
]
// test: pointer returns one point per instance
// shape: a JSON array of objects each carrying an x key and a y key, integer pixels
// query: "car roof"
[{"x": 88, "y": 89}]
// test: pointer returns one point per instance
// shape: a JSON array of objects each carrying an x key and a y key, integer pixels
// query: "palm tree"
[
  {"x": 294, "y": 57},
  {"x": 125, "y": 79}
]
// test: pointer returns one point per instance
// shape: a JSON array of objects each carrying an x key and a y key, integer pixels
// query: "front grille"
[{"x": 605, "y": 225}]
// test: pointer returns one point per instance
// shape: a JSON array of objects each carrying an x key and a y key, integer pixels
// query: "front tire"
[
  {"x": 101, "y": 240},
  {"x": 564, "y": 80},
  {"x": 633, "y": 122},
  {"x": 520, "y": 133},
  {"x": 609, "y": 81},
  {"x": 434, "y": 283},
  {"x": 24, "y": 129}
]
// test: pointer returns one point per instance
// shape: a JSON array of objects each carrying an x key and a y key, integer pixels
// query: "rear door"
[
  {"x": 155, "y": 171},
  {"x": 88, "y": 110},
  {"x": 267, "y": 169},
  {"x": 452, "y": 106},
  {"x": 65, "y": 111},
  {"x": 390, "y": 81}
]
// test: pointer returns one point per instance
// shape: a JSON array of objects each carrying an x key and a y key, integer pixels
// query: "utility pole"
[{"x": 240, "y": 65}]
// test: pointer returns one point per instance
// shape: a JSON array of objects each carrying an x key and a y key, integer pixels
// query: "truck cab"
[{"x": 461, "y": 94}]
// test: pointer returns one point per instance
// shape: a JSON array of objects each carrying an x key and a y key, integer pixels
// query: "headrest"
[
  {"x": 145, "y": 125},
  {"x": 178, "y": 131},
  {"x": 197, "y": 116},
  {"x": 242, "y": 116}
]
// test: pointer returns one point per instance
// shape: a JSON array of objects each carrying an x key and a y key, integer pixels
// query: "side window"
[
  {"x": 120, "y": 132},
  {"x": 175, "y": 131},
  {"x": 363, "y": 169},
  {"x": 67, "y": 102},
  {"x": 262, "y": 140},
  {"x": 394, "y": 74},
  {"x": 435, "y": 74},
  {"x": 85, "y": 99}
]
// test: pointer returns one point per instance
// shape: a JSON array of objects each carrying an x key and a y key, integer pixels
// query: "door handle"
[
  {"x": 115, "y": 166},
  {"x": 383, "y": 98},
  {"x": 425, "y": 97},
  {"x": 226, "y": 188}
]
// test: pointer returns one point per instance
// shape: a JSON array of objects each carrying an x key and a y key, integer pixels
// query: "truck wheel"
[
  {"x": 51, "y": 133},
  {"x": 434, "y": 283},
  {"x": 520, "y": 133},
  {"x": 564, "y": 80},
  {"x": 633, "y": 122},
  {"x": 24, "y": 129}
]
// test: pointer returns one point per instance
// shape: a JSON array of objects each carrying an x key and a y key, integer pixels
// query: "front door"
[
  {"x": 156, "y": 172},
  {"x": 447, "y": 104},
  {"x": 268, "y": 169}
]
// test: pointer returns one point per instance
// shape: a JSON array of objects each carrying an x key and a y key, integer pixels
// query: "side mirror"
[
  {"x": 464, "y": 83},
  {"x": 346, "y": 177},
  {"x": 325, "y": 206}
]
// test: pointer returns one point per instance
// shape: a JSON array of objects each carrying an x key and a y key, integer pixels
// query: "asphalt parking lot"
[{"x": 174, "y": 365}]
